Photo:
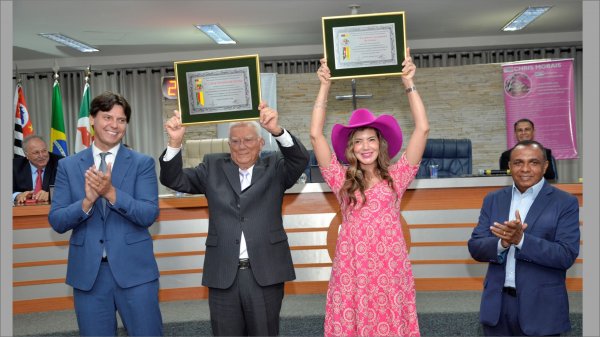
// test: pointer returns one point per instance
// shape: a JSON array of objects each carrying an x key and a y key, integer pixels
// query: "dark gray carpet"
[{"x": 431, "y": 324}]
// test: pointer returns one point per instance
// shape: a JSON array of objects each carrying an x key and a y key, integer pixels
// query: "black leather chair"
[
  {"x": 552, "y": 161},
  {"x": 454, "y": 158}
]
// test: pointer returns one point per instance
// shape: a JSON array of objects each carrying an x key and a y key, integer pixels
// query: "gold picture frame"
[
  {"x": 218, "y": 90},
  {"x": 365, "y": 45}
]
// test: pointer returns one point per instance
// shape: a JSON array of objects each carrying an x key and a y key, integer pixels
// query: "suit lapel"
[
  {"x": 539, "y": 204},
  {"x": 504, "y": 205},
  {"x": 86, "y": 160},
  {"x": 232, "y": 172},
  {"x": 121, "y": 166},
  {"x": 46, "y": 179},
  {"x": 29, "y": 174},
  {"x": 258, "y": 171}
]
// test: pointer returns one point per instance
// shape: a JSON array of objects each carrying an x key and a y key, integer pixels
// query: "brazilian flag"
[{"x": 58, "y": 137}]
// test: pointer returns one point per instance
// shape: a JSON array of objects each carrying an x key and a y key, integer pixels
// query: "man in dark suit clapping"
[
  {"x": 528, "y": 233},
  {"x": 34, "y": 173},
  {"x": 247, "y": 257}
]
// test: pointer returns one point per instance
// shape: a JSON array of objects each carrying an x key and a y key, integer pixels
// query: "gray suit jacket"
[{"x": 256, "y": 211}]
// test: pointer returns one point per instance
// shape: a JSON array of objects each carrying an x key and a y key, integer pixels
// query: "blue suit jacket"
[
  {"x": 550, "y": 247},
  {"x": 127, "y": 239}
]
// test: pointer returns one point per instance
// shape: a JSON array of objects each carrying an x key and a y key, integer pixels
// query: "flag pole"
[
  {"x": 85, "y": 133},
  {"x": 88, "y": 73},
  {"x": 58, "y": 137},
  {"x": 22, "y": 120},
  {"x": 56, "y": 68},
  {"x": 17, "y": 75}
]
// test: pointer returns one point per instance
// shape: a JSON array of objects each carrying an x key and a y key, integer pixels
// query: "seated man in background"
[
  {"x": 33, "y": 174},
  {"x": 524, "y": 130}
]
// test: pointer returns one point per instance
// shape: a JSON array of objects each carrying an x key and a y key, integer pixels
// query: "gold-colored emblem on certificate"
[
  {"x": 365, "y": 45},
  {"x": 218, "y": 90}
]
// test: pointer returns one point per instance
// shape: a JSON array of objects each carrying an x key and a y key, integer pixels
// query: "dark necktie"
[
  {"x": 38, "y": 181},
  {"x": 103, "y": 170}
]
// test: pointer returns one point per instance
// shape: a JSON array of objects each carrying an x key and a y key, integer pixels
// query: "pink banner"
[{"x": 542, "y": 91}]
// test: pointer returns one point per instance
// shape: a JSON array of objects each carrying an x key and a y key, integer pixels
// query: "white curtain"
[{"x": 141, "y": 88}]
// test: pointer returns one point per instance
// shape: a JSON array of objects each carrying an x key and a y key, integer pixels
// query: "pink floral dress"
[{"x": 371, "y": 291}]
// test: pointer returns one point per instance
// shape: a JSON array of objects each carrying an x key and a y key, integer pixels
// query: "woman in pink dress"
[{"x": 371, "y": 291}]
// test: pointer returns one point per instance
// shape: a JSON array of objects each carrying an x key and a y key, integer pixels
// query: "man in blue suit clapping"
[
  {"x": 529, "y": 234},
  {"x": 107, "y": 195}
]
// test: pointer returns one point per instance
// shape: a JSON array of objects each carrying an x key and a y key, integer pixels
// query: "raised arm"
[
  {"x": 418, "y": 139},
  {"x": 295, "y": 154},
  {"x": 269, "y": 119},
  {"x": 317, "y": 137},
  {"x": 175, "y": 130}
]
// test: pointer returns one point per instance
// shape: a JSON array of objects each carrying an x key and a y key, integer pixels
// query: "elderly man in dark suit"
[
  {"x": 247, "y": 257},
  {"x": 529, "y": 235},
  {"x": 34, "y": 173}
]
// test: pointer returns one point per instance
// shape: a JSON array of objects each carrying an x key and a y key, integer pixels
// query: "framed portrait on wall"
[
  {"x": 365, "y": 45},
  {"x": 218, "y": 90}
]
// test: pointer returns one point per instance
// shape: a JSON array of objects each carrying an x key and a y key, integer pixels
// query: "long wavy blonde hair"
[{"x": 355, "y": 175}]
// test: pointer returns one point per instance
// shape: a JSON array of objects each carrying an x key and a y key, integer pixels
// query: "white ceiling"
[{"x": 145, "y": 32}]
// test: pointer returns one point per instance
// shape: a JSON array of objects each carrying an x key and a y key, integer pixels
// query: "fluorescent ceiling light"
[
  {"x": 69, "y": 42},
  {"x": 525, "y": 17},
  {"x": 216, "y": 33}
]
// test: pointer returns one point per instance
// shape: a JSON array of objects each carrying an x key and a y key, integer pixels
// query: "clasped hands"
[
  {"x": 98, "y": 184},
  {"x": 509, "y": 232},
  {"x": 39, "y": 197}
]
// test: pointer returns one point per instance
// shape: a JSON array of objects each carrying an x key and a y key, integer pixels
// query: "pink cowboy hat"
[{"x": 386, "y": 124}]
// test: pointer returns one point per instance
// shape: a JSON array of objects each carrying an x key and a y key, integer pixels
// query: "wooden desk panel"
[{"x": 34, "y": 254}]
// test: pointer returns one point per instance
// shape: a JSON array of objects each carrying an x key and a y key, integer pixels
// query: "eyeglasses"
[
  {"x": 249, "y": 142},
  {"x": 38, "y": 153}
]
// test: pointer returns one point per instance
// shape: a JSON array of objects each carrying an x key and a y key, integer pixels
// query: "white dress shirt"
[
  {"x": 521, "y": 202},
  {"x": 245, "y": 176}
]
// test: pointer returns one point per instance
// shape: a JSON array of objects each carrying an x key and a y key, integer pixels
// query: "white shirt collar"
[
  {"x": 113, "y": 151},
  {"x": 534, "y": 190}
]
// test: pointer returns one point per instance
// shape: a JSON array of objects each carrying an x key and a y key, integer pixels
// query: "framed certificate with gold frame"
[
  {"x": 218, "y": 90},
  {"x": 365, "y": 45}
]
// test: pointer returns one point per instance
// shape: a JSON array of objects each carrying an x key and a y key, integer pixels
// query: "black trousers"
[{"x": 245, "y": 308}]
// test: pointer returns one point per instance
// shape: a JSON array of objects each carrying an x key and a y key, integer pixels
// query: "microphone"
[{"x": 494, "y": 172}]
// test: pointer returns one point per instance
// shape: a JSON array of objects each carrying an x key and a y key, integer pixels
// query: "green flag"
[
  {"x": 58, "y": 137},
  {"x": 84, "y": 130}
]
